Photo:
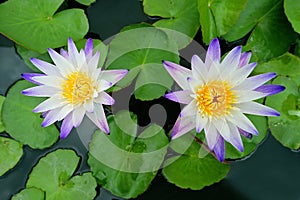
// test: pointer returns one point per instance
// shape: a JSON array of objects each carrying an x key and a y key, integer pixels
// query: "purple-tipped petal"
[
  {"x": 103, "y": 85},
  {"x": 64, "y": 53},
  {"x": 105, "y": 99},
  {"x": 182, "y": 126},
  {"x": 219, "y": 149},
  {"x": 211, "y": 135},
  {"x": 50, "y": 118},
  {"x": 99, "y": 119},
  {"x": 245, "y": 58},
  {"x": 64, "y": 66},
  {"x": 66, "y": 126},
  {"x": 77, "y": 116},
  {"x": 113, "y": 76},
  {"x": 241, "y": 74},
  {"x": 199, "y": 70},
  {"x": 235, "y": 137},
  {"x": 213, "y": 53},
  {"x": 183, "y": 96},
  {"x": 29, "y": 77},
  {"x": 41, "y": 91},
  {"x": 245, "y": 133},
  {"x": 45, "y": 67},
  {"x": 232, "y": 59},
  {"x": 73, "y": 52},
  {"x": 178, "y": 73},
  {"x": 88, "y": 50},
  {"x": 49, "y": 104},
  {"x": 254, "y": 108},
  {"x": 241, "y": 121},
  {"x": 270, "y": 89},
  {"x": 93, "y": 63},
  {"x": 255, "y": 81}
]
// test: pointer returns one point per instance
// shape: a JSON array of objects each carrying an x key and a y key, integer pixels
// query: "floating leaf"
[
  {"x": 21, "y": 123},
  {"x": 123, "y": 162},
  {"x": 195, "y": 168},
  {"x": 53, "y": 174},
  {"x": 2, "y": 128},
  {"x": 176, "y": 15},
  {"x": 264, "y": 18},
  {"x": 142, "y": 50},
  {"x": 86, "y": 2},
  {"x": 249, "y": 144},
  {"x": 10, "y": 154},
  {"x": 37, "y": 26},
  {"x": 29, "y": 194},
  {"x": 291, "y": 9},
  {"x": 217, "y": 17}
]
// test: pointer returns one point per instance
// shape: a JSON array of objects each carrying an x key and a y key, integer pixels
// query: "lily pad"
[
  {"x": 29, "y": 194},
  {"x": 37, "y": 26},
  {"x": 2, "y": 128},
  {"x": 217, "y": 17},
  {"x": 291, "y": 9},
  {"x": 21, "y": 123},
  {"x": 176, "y": 15},
  {"x": 126, "y": 162},
  {"x": 264, "y": 18},
  {"x": 142, "y": 50},
  {"x": 86, "y": 2},
  {"x": 53, "y": 174},
  {"x": 10, "y": 153},
  {"x": 195, "y": 168}
]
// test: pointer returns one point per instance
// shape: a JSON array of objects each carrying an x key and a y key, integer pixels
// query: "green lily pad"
[
  {"x": 86, "y": 2},
  {"x": 142, "y": 50},
  {"x": 123, "y": 162},
  {"x": 286, "y": 127},
  {"x": 37, "y": 26},
  {"x": 264, "y": 18},
  {"x": 195, "y": 168},
  {"x": 291, "y": 9},
  {"x": 53, "y": 174},
  {"x": 21, "y": 123},
  {"x": 217, "y": 17},
  {"x": 176, "y": 15},
  {"x": 2, "y": 128},
  {"x": 10, "y": 153},
  {"x": 249, "y": 144},
  {"x": 29, "y": 194}
]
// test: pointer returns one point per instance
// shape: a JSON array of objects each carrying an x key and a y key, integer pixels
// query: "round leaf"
[
  {"x": 21, "y": 123},
  {"x": 217, "y": 17},
  {"x": 123, "y": 162},
  {"x": 37, "y": 26},
  {"x": 177, "y": 15},
  {"x": 10, "y": 153},
  {"x": 53, "y": 174},
  {"x": 142, "y": 50},
  {"x": 86, "y": 2},
  {"x": 291, "y": 9},
  {"x": 29, "y": 194}
]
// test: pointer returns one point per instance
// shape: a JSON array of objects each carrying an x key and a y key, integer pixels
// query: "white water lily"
[
  {"x": 217, "y": 95},
  {"x": 75, "y": 87}
]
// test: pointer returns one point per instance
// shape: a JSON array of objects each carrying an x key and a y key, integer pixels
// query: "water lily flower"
[
  {"x": 75, "y": 87},
  {"x": 218, "y": 94}
]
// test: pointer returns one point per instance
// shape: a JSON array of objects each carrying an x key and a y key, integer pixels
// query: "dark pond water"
[{"x": 272, "y": 173}]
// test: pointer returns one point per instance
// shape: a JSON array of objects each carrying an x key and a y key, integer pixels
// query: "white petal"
[
  {"x": 213, "y": 52},
  {"x": 240, "y": 120},
  {"x": 256, "y": 109},
  {"x": 246, "y": 95},
  {"x": 241, "y": 74},
  {"x": 231, "y": 61},
  {"x": 113, "y": 76},
  {"x": 211, "y": 135},
  {"x": 178, "y": 73},
  {"x": 190, "y": 109},
  {"x": 81, "y": 62},
  {"x": 45, "y": 67},
  {"x": 77, "y": 116},
  {"x": 89, "y": 106},
  {"x": 73, "y": 52},
  {"x": 182, "y": 126},
  {"x": 51, "y": 117},
  {"x": 64, "y": 66},
  {"x": 214, "y": 72},
  {"x": 105, "y": 99},
  {"x": 103, "y": 85},
  {"x": 194, "y": 84},
  {"x": 93, "y": 62},
  {"x": 199, "y": 70},
  {"x": 98, "y": 118},
  {"x": 64, "y": 111},
  {"x": 201, "y": 122},
  {"x": 182, "y": 96},
  {"x": 53, "y": 81},
  {"x": 51, "y": 103},
  {"x": 41, "y": 91}
]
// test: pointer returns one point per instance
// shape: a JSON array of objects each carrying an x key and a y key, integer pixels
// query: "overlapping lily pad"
[
  {"x": 2, "y": 128},
  {"x": 86, "y": 2},
  {"x": 148, "y": 47},
  {"x": 217, "y": 17},
  {"x": 29, "y": 194},
  {"x": 21, "y": 123},
  {"x": 291, "y": 9},
  {"x": 125, "y": 162},
  {"x": 36, "y": 25},
  {"x": 176, "y": 15},
  {"x": 10, "y": 153},
  {"x": 195, "y": 168},
  {"x": 53, "y": 174},
  {"x": 264, "y": 18}
]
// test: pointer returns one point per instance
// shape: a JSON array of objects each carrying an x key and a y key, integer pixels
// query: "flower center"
[
  {"x": 215, "y": 98},
  {"x": 78, "y": 88}
]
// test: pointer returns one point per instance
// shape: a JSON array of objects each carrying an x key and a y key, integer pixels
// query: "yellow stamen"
[
  {"x": 215, "y": 98},
  {"x": 78, "y": 88}
]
